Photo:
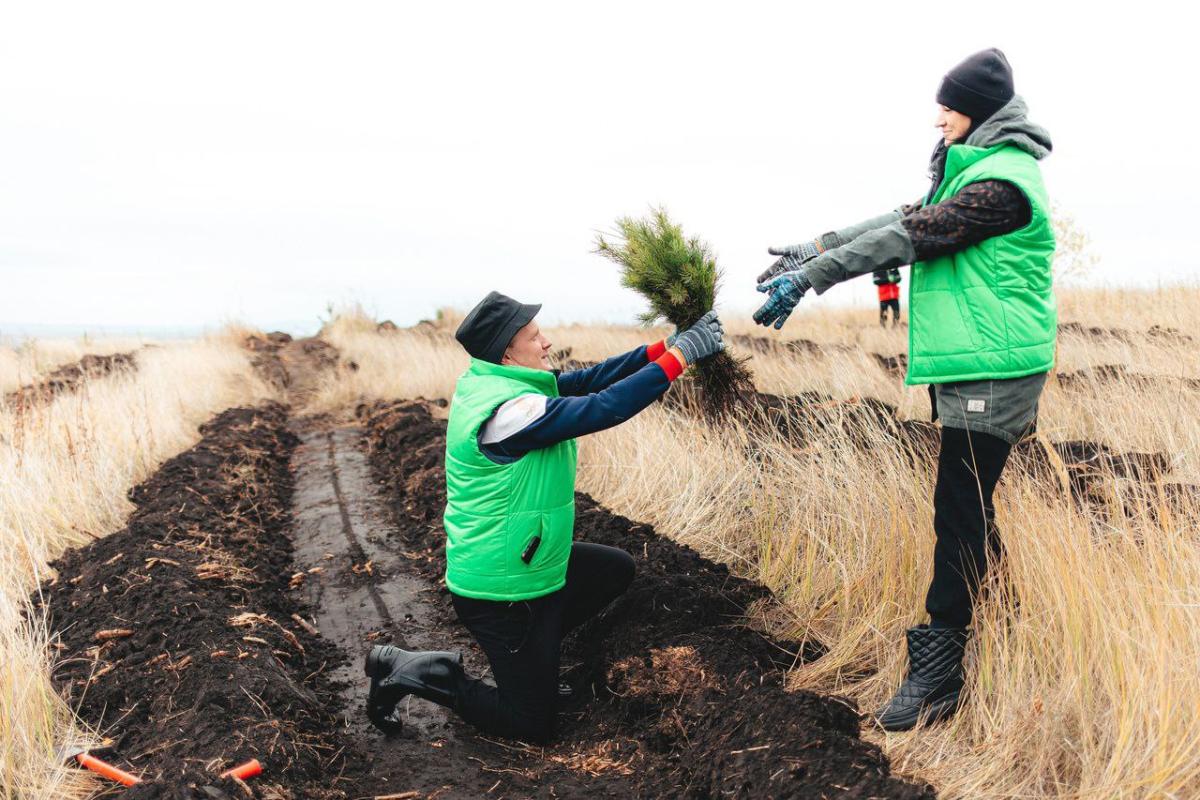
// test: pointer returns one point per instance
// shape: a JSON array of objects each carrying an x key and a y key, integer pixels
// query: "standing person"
[
  {"x": 888, "y": 281},
  {"x": 982, "y": 328},
  {"x": 518, "y": 582}
]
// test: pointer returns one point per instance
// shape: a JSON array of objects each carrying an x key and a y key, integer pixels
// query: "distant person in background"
[
  {"x": 888, "y": 281},
  {"x": 518, "y": 580},
  {"x": 982, "y": 328}
]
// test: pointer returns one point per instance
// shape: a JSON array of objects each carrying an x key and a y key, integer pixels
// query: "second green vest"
[
  {"x": 495, "y": 511},
  {"x": 986, "y": 312}
]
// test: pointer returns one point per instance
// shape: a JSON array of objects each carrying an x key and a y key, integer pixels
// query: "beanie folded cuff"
[{"x": 965, "y": 100}]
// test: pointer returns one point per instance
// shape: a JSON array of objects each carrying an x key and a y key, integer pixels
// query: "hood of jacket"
[{"x": 1011, "y": 125}]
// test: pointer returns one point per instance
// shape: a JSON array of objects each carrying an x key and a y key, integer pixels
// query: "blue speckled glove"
[
  {"x": 792, "y": 258},
  {"x": 786, "y": 291}
]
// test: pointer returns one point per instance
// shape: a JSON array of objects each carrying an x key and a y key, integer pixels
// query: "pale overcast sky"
[{"x": 170, "y": 164}]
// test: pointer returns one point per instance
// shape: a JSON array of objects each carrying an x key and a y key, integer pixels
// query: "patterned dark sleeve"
[{"x": 980, "y": 211}]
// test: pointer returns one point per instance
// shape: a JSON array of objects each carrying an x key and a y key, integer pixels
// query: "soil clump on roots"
[{"x": 673, "y": 694}]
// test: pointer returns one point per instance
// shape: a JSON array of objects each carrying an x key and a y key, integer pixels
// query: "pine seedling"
[{"x": 679, "y": 278}]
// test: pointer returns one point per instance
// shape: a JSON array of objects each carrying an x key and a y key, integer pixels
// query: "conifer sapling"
[{"x": 679, "y": 277}]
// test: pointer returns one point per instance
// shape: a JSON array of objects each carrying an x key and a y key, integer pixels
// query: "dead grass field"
[
  {"x": 1084, "y": 682},
  {"x": 1086, "y": 688}
]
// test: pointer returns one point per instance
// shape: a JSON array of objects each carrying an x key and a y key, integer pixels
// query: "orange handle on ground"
[
  {"x": 247, "y": 770},
  {"x": 107, "y": 770}
]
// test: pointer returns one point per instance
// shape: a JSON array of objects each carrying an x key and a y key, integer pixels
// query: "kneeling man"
[{"x": 518, "y": 581}]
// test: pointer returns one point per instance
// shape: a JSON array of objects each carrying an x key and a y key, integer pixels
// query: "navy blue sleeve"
[
  {"x": 601, "y": 376},
  {"x": 570, "y": 417}
]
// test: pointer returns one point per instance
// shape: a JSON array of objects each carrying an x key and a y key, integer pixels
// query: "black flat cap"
[{"x": 487, "y": 330}]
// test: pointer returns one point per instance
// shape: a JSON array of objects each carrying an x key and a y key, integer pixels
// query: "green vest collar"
[
  {"x": 958, "y": 158},
  {"x": 540, "y": 380}
]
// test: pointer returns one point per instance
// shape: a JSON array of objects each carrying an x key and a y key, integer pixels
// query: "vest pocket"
[{"x": 968, "y": 319}]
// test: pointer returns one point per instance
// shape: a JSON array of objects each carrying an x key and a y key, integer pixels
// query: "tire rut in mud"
[
  {"x": 354, "y": 572},
  {"x": 675, "y": 696}
]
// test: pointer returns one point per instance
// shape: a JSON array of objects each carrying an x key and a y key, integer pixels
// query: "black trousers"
[
  {"x": 522, "y": 641},
  {"x": 884, "y": 305},
  {"x": 964, "y": 520}
]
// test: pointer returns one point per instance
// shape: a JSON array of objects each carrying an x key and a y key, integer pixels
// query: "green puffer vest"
[
  {"x": 494, "y": 511},
  {"x": 987, "y": 312}
]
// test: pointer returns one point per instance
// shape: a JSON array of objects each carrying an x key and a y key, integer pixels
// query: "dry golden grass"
[
  {"x": 66, "y": 468},
  {"x": 1087, "y": 689}
]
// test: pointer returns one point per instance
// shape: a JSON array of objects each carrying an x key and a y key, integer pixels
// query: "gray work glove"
[
  {"x": 792, "y": 259},
  {"x": 702, "y": 339}
]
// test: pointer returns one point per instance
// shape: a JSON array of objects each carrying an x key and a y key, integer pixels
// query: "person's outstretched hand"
[
  {"x": 786, "y": 291},
  {"x": 702, "y": 339},
  {"x": 792, "y": 258}
]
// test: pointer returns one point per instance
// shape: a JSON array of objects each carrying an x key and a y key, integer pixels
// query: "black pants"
[
  {"x": 522, "y": 641},
  {"x": 894, "y": 305},
  {"x": 964, "y": 520}
]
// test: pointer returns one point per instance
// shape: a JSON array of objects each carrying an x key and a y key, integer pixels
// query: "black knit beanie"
[{"x": 978, "y": 87}]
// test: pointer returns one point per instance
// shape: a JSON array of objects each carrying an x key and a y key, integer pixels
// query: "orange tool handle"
[
  {"x": 244, "y": 771},
  {"x": 107, "y": 770}
]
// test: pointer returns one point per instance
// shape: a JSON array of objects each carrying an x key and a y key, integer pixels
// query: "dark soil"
[
  {"x": 1085, "y": 379},
  {"x": 293, "y": 364},
  {"x": 207, "y": 668},
  {"x": 70, "y": 377},
  {"x": 675, "y": 696},
  {"x": 265, "y": 359}
]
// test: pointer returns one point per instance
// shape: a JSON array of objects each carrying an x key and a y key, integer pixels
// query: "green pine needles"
[{"x": 679, "y": 277}]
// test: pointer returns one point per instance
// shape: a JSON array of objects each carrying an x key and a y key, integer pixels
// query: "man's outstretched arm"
[
  {"x": 600, "y": 376},
  {"x": 533, "y": 421}
]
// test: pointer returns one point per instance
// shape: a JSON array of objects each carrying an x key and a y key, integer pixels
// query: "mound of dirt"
[
  {"x": 70, "y": 377},
  {"x": 675, "y": 696},
  {"x": 1084, "y": 379},
  {"x": 293, "y": 364},
  {"x": 1093, "y": 332},
  {"x": 175, "y": 635},
  {"x": 265, "y": 357}
]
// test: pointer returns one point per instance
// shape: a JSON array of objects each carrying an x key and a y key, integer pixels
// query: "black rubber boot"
[
  {"x": 933, "y": 687},
  {"x": 396, "y": 673}
]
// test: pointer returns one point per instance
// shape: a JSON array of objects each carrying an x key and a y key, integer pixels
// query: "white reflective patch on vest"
[
  {"x": 513, "y": 416},
  {"x": 976, "y": 405}
]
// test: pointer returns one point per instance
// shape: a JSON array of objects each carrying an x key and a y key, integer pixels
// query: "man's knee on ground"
[
  {"x": 627, "y": 571},
  {"x": 536, "y": 727}
]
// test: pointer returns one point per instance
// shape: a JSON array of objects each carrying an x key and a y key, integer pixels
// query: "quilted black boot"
[
  {"x": 396, "y": 673},
  {"x": 933, "y": 687}
]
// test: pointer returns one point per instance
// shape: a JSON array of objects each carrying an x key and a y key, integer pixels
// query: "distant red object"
[{"x": 889, "y": 291}]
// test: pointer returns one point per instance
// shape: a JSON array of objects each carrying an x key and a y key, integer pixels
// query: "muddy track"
[
  {"x": 70, "y": 378},
  {"x": 674, "y": 695}
]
